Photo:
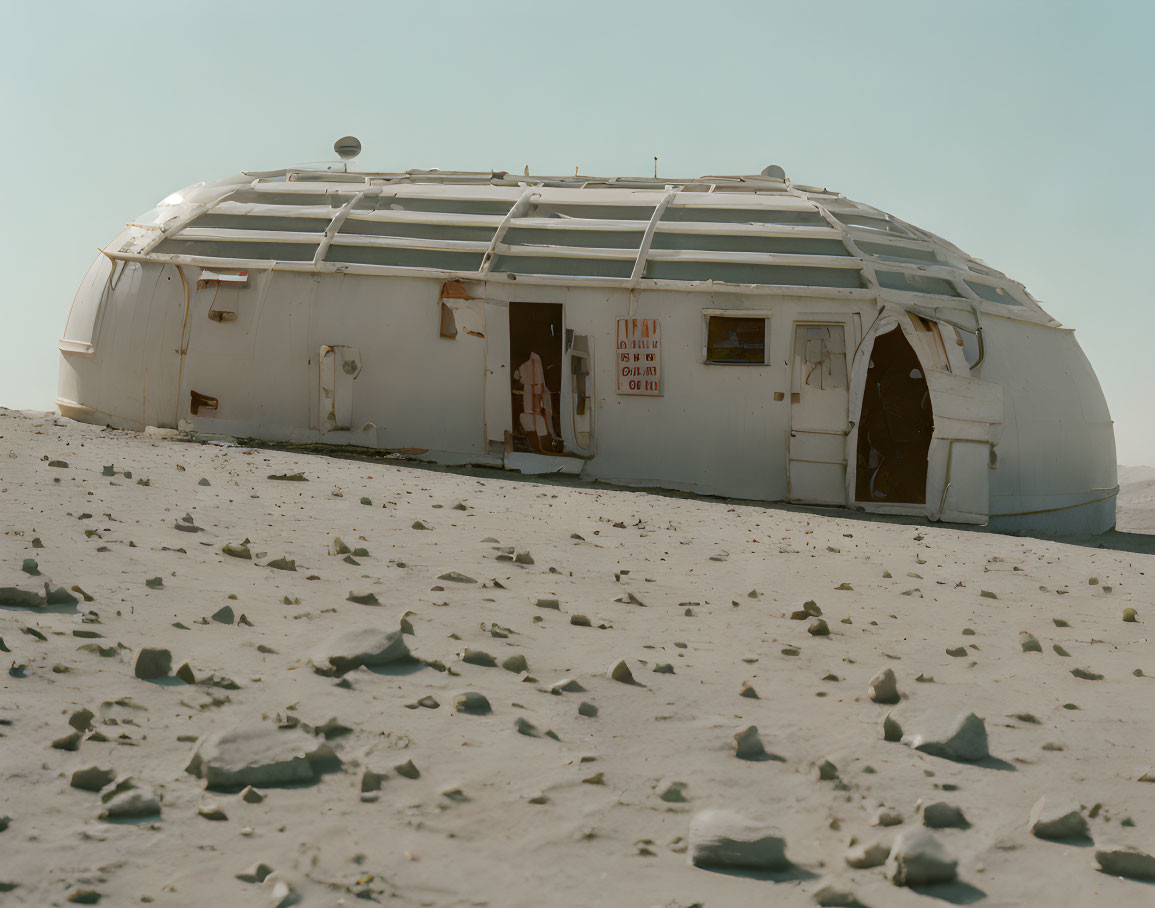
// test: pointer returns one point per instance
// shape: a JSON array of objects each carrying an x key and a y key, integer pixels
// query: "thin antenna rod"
[{"x": 655, "y": 167}]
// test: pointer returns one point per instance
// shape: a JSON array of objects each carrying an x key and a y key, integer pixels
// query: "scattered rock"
[
  {"x": 371, "y": 647},
  {"x": 212, "y": 811},
  {"x": 371, "y": 781},
  {"x": 748, "y": 744},
  {"x": 18, "y": 598},
  {"x": 525, "y": 727},
  {"x": 1130, "y": 615},
  {"x": 92, "y": 779},
  {"x": 941, "y": 815},
  {"x": 251, "y": 796},
  {"x": 867, "y": 854},
  {"x": 827, "y": 771},
  {"x": 818, "y": 628},
  {"x": 1126, "y": 861},
  {"x": 674, "y": 793},
  {"x": 523, "y": 557},
  {"x": 883, "y": 687},
  {"x": 238, "y": 551},
  {"x": 127, "y": 801},
  {"x": 85, "y": 897},
  {"x": 888, "y": 817},
  {"x": 587, "y": 709},
  {"x": 1057, "y": 820},
  {"x": 833, "y": 896},
  {"x": 81, "y": 720},
  {"x": 224, "y": 615},
  {"x": 1029, "y": 643},
  {"x": 620, "y": 671},
  {"x": 408, "y": 770},
  {"x": 965, "y": 738},
  {"x": 362, "y": 598},
  {"x": 152, "y": 662},
  {"x": 891, "y": 730},
  {"x": 256, "y": 873},
  {"x": 471, "y": 702},
  {"x": 1086, "y": 675},
  {"x": 282, "y": 564},
  {"x": 257, "y": 753},
  {"x": 69, "y": 742},
  {"x": 918, "y": 859},
  {"x": 723, "y": 839},
  {"x": 549, "y": 603},
  {"x": 478, "y": 657},
  {"x": 748, "y": 691},
  {"x": 456, "y": 577},
  {"x": 664, "y": 668},
  {"x": 515, "y": 663}
]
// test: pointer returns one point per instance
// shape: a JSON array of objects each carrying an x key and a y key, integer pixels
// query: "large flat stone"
[
  {"x": 259, "y": 754},
  {"x": 351, "y": 649},
  {"x": 721, "y": 838}
]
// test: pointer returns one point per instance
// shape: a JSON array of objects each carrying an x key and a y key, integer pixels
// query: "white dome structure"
[{"x": 741, "y": 336}]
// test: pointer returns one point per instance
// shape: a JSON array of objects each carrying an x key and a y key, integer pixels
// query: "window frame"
[{"x": 708, "y": 314}]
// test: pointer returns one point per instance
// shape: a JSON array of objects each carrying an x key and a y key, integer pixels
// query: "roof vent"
[
  {"x": 773, "y": 171},
  {"x": 347, "y": 147}
]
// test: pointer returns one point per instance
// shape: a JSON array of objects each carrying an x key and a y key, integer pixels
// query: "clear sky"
[{"x": 1021, "y": 131}]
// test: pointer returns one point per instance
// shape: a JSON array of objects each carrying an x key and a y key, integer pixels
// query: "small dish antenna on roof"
[
  {"x": 347, "y": 147},
  {"x": 774, "y": 172}
]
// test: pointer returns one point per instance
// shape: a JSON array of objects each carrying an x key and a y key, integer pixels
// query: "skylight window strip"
[
  {"x": 713, "y": 227},
  {"x": 417, "y": 229},
  {"x": 744, "y": 215},
  {"x": 762, "y": 243},
  {"x": 758, "y": 274},
  {"x": 755, "y": 258},
  {"x": 454, "y": 260},
  {"x": 594, "y": 224},
  {"x": 565, "y": 252},
  {"x": 401, "y": 242},
  {"x": 598, "y": 239},
  {"x": 267, "y": 222},
  {"x": 491, "y": 221},
  {"x": 572, "y": 266},
  {"x": 246, "y": 236},
  {"x": 218, "y": 250},
  {"x": 324, "y": 215}
]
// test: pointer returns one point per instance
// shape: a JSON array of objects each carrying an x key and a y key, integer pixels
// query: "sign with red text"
[{"x": 639, "y": 356}]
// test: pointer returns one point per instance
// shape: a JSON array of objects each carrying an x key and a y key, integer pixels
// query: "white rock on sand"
[{"x": 595, "y": 805}]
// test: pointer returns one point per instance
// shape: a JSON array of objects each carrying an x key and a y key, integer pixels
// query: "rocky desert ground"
[{"x": 252, "y": 677}]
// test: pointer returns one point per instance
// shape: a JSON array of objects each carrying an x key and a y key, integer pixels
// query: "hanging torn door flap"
[
  {"x": 968, "y": 414},
  {"x": 965, "y": 408}
]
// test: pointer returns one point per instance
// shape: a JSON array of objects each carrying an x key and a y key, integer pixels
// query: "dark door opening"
[
  {"x": 896, "y": 425},
  {"x": 535, "y": 369}
]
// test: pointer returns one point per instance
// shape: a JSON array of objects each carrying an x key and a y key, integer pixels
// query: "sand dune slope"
[{"x": 355, "y": 782}]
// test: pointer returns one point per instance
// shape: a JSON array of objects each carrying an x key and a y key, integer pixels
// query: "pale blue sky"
[{"x": 1021, "y": 131}]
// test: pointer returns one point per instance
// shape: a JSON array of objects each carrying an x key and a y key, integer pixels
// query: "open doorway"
[
  {"x": 896, "y": 425},
  {"x": 535, "y": 369}
]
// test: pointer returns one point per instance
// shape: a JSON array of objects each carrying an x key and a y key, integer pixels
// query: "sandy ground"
[
  {"x": 1136, "y": 512},
  {"x": 498, "y": 817}
]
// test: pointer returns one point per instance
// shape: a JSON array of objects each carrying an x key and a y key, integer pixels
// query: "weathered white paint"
[{"x": 1026, "y": 441}]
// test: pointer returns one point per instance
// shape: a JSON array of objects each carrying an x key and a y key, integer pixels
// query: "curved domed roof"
[{"x": 759, "y": 234}]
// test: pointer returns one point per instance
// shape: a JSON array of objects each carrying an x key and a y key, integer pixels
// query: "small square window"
[{"x": 736, "y": 339}]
